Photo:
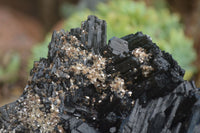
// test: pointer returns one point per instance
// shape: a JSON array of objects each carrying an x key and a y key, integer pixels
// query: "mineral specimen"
[{"x": 87, "y": 86}]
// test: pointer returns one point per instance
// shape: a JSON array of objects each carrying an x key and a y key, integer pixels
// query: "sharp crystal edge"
[{"x": 88, "y": 86}]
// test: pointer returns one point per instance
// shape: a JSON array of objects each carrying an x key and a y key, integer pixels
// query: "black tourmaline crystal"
[{"x": 88, "y": 86}]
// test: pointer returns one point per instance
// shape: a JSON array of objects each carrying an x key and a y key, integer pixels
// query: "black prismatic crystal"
[{"x": 88, "y": 86}]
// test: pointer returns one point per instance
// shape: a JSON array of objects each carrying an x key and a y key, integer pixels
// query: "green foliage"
[
  {"x": 9, "y": 70},
  {"x": 125, "y": 16},
  {"x": 38, "y": 51}
]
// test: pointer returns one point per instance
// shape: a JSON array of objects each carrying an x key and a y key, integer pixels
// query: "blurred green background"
[{"x": 26, "y": 28}]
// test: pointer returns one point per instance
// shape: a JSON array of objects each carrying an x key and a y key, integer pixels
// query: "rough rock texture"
[{"x": 87, "y": 86}]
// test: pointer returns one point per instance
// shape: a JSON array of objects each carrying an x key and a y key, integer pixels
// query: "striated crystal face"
[{"x": 88, "y": 84}]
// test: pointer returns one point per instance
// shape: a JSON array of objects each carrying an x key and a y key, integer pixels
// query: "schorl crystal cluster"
[{"x": 88, "y": 86}]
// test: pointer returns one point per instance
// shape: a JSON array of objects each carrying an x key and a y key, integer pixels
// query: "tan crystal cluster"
[{"x": 143, "y": 58}]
